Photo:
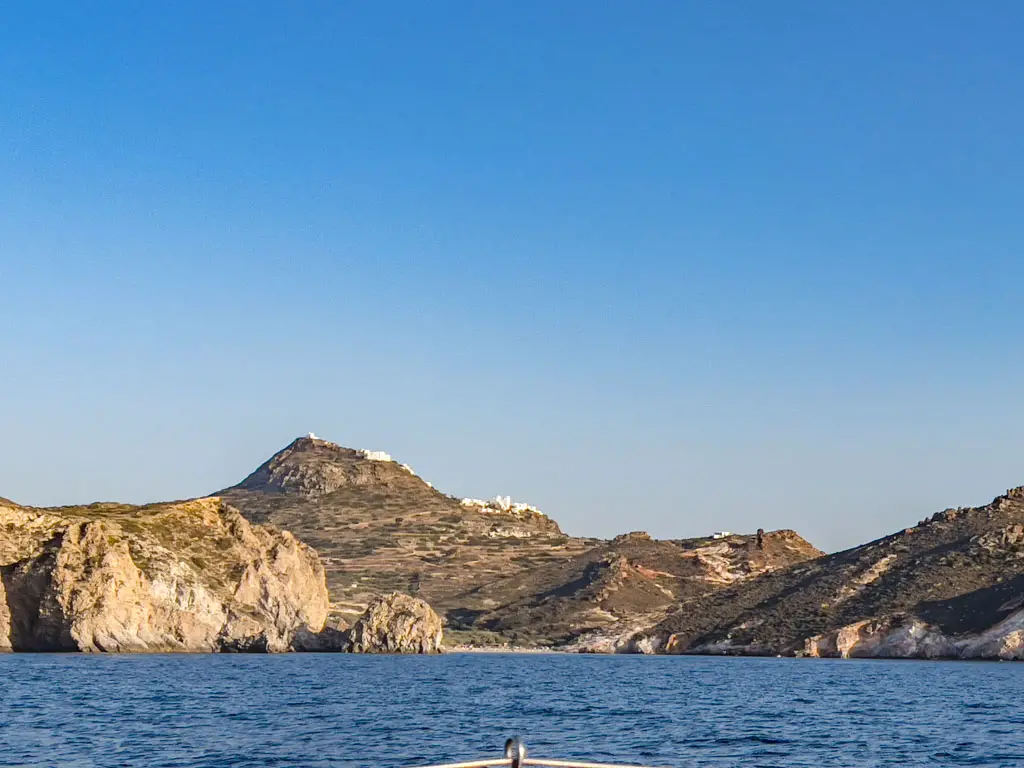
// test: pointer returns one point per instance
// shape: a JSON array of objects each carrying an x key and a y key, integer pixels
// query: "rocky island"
[{"x": 327, "y": 548}]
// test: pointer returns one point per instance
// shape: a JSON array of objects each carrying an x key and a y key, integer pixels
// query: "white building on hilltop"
[
  {"x": 500, "y": 504},
  {"x": 374, "y": 455}
]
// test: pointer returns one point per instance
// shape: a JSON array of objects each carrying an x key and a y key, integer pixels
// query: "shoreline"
[{"x": 501, "y": 649}]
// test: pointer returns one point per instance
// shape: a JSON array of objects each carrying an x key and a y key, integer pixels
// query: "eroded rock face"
[
  {"x": 396, "y": 623},
  {"x": 188, "y": 576},
  {"x": 906, "y": 637}
]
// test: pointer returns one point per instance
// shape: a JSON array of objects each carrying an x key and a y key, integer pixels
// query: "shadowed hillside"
[
  {"x": 916, "y": 592},
  {"x": 608, "y": 592}
]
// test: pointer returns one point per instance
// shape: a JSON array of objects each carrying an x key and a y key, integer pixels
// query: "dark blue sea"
[{"x": 389, "y": 712}]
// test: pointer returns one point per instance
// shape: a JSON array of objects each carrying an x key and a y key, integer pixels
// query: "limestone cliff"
[
  {"x": 186, "y": 576},
  {"x": 907, "y": 637}
]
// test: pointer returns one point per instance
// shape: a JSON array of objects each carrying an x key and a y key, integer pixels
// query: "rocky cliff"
[
  {"x": 188, "y": 576},
  {"x": 951, "y": 586}
]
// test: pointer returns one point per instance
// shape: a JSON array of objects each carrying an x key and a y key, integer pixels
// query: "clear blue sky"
[{"x": 674, "y": 266}]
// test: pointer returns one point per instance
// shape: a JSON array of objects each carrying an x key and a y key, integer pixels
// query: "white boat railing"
[{"x": 515, "y": 757}]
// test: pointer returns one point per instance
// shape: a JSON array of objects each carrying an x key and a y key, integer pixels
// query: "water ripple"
[{"x": 338, "y": 710}]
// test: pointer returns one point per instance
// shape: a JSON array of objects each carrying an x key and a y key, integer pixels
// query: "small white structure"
[
  {"x": 374, "y": 455},
  {"x": 721, "y": 534},
  {"x": 382, "y": 456},
  {"x": 500, "y": 504},
  {"x": 311, "y": 436}
]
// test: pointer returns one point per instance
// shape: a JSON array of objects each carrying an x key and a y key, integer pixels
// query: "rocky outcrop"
[
  {"x": 188, "y": 576},
  {"x": 624, "y": 637},
  {"x": 906, "y": 637},
  {"x": 396, "y": 623}
]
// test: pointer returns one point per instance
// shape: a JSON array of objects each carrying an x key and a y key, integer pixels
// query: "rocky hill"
[
  {"x": 379, "y": 527},
  {"x": 951, "y": 586},
  {"x": 187, "y": 576},
  {"x": 597, "y": 600},
  {"x": 499, "y": 571}
]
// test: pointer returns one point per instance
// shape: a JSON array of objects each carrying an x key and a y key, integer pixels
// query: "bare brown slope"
[
  {"x": 960, "y": 572},
  {"x": 629, "y": 582},
  {"x": 379, "y": 527}
]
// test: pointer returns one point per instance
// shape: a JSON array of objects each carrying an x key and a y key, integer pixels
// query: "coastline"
[{"x": 499, "y": 649}]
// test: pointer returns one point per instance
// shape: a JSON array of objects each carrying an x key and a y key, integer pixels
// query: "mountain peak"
[
  {"x": 312, "y": 467},
  {"x": 379, "y": 527}
]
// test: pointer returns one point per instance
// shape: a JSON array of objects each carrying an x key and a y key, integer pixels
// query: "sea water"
[{"x": 349, "y": 710}]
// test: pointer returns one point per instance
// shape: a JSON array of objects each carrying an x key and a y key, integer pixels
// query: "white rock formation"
[{"x": 911, "y": 638}]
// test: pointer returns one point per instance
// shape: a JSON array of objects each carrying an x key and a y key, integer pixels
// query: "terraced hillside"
[
  {"x": 378, "y": 527},
  {"x": 498, "y": 571},
  {"x": 953, "y": 585}
]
